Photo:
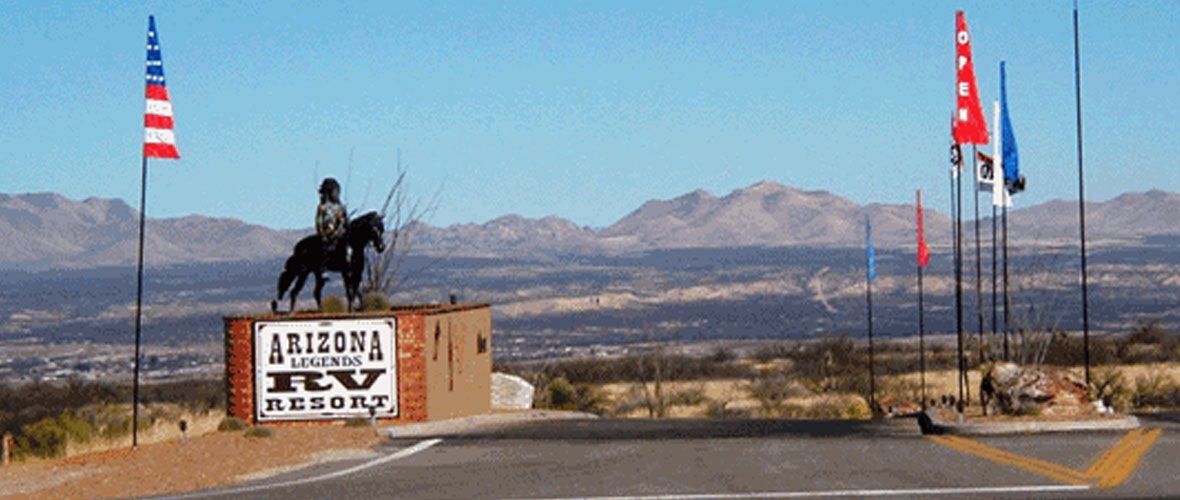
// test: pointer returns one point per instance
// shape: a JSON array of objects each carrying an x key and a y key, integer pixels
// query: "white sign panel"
[{"x": 307, "y": 370}]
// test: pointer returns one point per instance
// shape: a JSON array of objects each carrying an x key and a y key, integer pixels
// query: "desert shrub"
[
  {"x": 691, "y": 396},
  {"x": 773, "y": 391},
  {"x": 657, "y": 398},
  {"x": 1155, "y": 389},
  {"x": 832, "y": 364},
  {"x": 49, "y": 437},
  {"x": 719, "y": 409},
  {"x": 44, "y": 439},
  {"x": 772, "y": 351},
  {"x": 560, "y": 394},
  {"x": 901, "y": 389},
  {"x": 1148, "y": 342},
  {"x": 1109, "y": 385},
  {"x": 118, "y": 427},
  {"x": 838, "y": 408},
  {"x": 25, "y": 404},
  {"x": 259, "y": 432},
  {"x": 231, "y": 424},
  {"x": 632, "y": 368},
  {"x": 721, "y": 355},
  {"x": 1070, "y": 350},
  {"x": 195, "y": 395},
  {"x": 333, "y": 304},
  {"x": 375, "y": 301}
]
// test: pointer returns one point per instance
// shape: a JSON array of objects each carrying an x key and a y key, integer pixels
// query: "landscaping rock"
[
  {"x": 1009, "y": 389},
  {"x": 510, "y": 392}
]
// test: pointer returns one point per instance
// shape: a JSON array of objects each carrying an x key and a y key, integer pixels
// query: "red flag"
[
  {"x": 923, "y": 250},
  {"x": 970, "y": 127},
  {"x": 158, "y": 138}
]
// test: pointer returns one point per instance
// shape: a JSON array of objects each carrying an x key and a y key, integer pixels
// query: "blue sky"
[{"x": 582, "y": 110}]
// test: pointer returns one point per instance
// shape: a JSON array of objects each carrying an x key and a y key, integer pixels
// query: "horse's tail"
[{"x": 290, "y": 272}]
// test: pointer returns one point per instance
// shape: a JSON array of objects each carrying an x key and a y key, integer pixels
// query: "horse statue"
[{"x": 309, "y": 258}]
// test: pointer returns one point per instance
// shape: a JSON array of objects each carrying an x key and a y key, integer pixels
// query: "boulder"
[
  {"x": 510, "y": 392},
  {"x": 1009, "y": 389}
]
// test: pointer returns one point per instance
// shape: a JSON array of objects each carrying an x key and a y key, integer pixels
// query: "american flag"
[{"x": 158, "y": 139}]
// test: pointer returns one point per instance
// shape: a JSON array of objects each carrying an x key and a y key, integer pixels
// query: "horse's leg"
[
  {"x": 351, "y": 291},
  {"x": 319, "y": 288}
]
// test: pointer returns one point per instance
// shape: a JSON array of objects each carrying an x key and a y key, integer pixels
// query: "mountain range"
[{"x": 46, "y": 230}]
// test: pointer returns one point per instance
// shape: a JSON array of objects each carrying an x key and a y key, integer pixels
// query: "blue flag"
[
  {"x": 870, "y": 254},
  {"x": 1008, "y": 138}
]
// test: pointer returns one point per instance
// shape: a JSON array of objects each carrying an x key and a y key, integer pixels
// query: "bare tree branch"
[{"x": 403, "y": 214}]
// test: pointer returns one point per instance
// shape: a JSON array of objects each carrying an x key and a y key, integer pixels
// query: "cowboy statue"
[{"x": 331, "y": 219}]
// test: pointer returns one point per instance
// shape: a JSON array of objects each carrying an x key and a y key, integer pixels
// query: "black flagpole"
[
  {"x": 1077, "y": 78},
  {"x": 956, "y": 162},
  {"x": 872, "y": 375},
  {"x": 922, "y": 337},
  {"x": 959, "y": 277},
  {"x": 921, "y": 318},
  {"x": 138, "y": 307},
  {"x": 978, "y": 259}
]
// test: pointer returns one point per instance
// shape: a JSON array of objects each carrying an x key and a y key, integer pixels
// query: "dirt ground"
[{"x": 211, "y": 460}]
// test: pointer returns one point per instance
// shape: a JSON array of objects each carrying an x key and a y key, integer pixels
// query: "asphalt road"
[{"x": 701, "y": 459}]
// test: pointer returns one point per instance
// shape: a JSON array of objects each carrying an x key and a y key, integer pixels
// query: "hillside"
[{"x": 46, "y": 230}]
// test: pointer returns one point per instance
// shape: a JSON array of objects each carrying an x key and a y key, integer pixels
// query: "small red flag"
[
  {"x": 969, "y": 125},
  {"x": 923, "y": 250}
]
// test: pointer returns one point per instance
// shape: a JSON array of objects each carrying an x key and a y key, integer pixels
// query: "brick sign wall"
[{"x": 321, "y": 367}]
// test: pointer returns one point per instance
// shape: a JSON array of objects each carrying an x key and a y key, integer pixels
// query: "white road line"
[
  {"x": 842, "y": 493},
  {"x": 421, "y": 446}
]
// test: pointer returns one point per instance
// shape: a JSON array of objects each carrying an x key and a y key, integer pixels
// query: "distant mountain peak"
[{"x": 764, "y": 186}]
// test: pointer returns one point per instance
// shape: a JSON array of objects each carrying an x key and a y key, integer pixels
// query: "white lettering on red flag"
[{"x": 969, "y": 126}]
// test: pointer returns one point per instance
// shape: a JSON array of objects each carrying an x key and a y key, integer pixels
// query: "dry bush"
[
  {"x": 1109, "y": 385},
  {"x": 559, "y": 394},
  {"x": 375, "y": 302},
  {"x": 333, "y": 304},
  {"x": 1155, "y": 389},
  {"x": 773, "y": 391}
]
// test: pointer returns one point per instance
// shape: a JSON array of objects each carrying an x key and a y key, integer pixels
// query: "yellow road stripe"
[
  {"x": 1039, "y": 467},
  {"x": 1107, "y": 459},
  {"x": 1029, "y": 462},
  {"x": 1128, "y": 461}
]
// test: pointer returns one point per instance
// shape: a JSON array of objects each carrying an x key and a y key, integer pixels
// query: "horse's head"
[{"x": 369, "y": 228}]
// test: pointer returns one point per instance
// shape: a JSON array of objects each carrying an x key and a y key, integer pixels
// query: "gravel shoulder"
[
  {"x": 216, "y": 459},
  {"x": 168, "y": 464}
]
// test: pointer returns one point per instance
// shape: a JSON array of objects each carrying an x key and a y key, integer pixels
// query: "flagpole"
[
  {"x": 999, "y": 197},
  {"x": 922, "y": 337},
  {"x": 959, "y": 281},
  {"x": 1007, "y": 304},
  {"x": 921, "y": 311},
  {"x": 872, "y": 375},
  {"x": 1077, "y": 78},
  {"x": 978, "y": 260},
  {"x": 138, "y": 307},
  {"x": 995, "y": 284}
]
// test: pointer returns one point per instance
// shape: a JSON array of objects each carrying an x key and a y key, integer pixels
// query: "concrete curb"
[
  {"x": 457, "y": 426},
  {"x": 930, "y": 424}
]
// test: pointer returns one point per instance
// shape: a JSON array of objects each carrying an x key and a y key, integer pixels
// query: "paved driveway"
[{"x": 698, "y": 459}]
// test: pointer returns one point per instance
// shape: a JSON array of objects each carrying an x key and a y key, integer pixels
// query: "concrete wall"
[
  {"x": 458, "y": 363},
  {"x": 443, "y": 360}
]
